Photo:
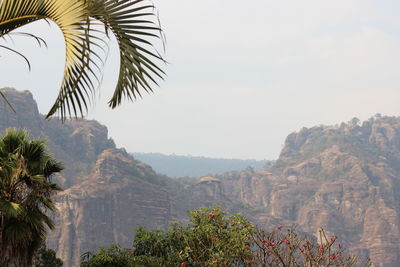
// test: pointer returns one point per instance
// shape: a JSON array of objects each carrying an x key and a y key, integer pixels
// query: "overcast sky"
[{"x": 242, "y": 74}]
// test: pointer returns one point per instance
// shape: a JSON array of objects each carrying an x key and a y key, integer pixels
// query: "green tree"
[
  {"x": 26, "y": 187},
  {"x": 214, "y": 239},
  {"x": 46, "y": 257},
  {"x": 211, "y": 237},
  {"x": 133, "y": 23},
  {"x": 115, "y": 256}
]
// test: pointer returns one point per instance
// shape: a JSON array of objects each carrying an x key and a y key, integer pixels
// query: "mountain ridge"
[
  {"x": 195, "y": 166},
  {"x": 344, "y": 178}
]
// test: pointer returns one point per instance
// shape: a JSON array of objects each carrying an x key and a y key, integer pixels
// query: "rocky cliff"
[
  {"x": 119, "y": 195},
  {"x": 76, "y": 143},
  {"x": 107, "y": 193},
  {"x": 344, "y": 178}
]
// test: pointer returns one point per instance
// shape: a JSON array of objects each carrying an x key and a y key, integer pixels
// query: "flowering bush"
[
  {"x": 214, "y": 239},
  {"x": 284, "y": 247}
]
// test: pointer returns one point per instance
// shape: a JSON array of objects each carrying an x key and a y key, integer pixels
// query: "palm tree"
[
  {"x": 26, "y": 188},
  {"x": 133, "y": 23}
]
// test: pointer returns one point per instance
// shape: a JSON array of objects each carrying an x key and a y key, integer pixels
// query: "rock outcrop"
[
  {"x": 118, "y": 196},
  {"x": 344, "y": 178},
  {"x": 76, "y": 143},
  {"x": 107, "y": 193}
]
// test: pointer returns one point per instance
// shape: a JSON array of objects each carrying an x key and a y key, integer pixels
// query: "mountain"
[
  {"x": 107, "y": 193},
  {"x": 119, "y": 195},
  {"x": 180, "y": 166},
  {"x": 344, "y": 178}
]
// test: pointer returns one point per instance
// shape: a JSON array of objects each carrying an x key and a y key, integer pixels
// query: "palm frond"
[
  {"x": 38, "y": 39},
  {"x": 69, "y": 15},
  {"x": 10, "y": 209},
  {"x": 134, "y": 24},
  {"x": 7, "y": 102},
  {"x": 16, "y": 231},
  {"x": 19, "y": 54}
]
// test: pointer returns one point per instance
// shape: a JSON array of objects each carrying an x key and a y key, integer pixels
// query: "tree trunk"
[{"x": 12, "y": 257}]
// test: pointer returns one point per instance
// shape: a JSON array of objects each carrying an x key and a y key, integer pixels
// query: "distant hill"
[{"x": 180, "y": 166}]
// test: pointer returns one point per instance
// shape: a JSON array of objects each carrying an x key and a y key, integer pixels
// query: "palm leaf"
[
  {"x": 7, "y": 102},
  {"x": 69, "y": 15},
  {"x": 132, "y": 23},
  {"x": 17, "y": 232},
  {"x": 9, "y": 208}
]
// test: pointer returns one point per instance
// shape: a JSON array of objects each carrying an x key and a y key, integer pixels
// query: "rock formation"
[
  {"x": 118, "y": 196},
  {"x": 107, "y": 193},
  {"x": 344, "y": 178}
]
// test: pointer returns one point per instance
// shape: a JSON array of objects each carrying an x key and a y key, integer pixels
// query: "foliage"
[
  {"x": 284, "y": 247},
  {"x": 83, "y": 24},
  {"x": 210, "y": 236},
  {"x": 214, "y": 239},
  {"x": 26, "y": 188},
  {"x": 45, "y": 257},
  {"x": 114, "y": 256}
]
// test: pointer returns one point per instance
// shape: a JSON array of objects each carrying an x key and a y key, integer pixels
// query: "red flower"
[
  {"x": 212, "y": 215},
  {"x": 333, "y": 239},
  {"x": 339, "y": 245},
  {"x": 233, "y": 222},
  {"x": 333, "y": 256},
  {"x": 263, "y": 241},
  {"x": 214, "y": 239},
  {"x": 269, "y": 243},
  {"x": 321, "y": 249},
  {"x": 280, "y": 227},
  {"x": 302, "y": 249},
  {"x": 273, "y": 244},
  {"x": 246, "y": 247},
  {"x": 286, "y": 241},
  {"x": 214, "y": 262}
]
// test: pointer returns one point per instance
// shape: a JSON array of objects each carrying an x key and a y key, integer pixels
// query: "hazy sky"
[{"x": 242, "y": 74}]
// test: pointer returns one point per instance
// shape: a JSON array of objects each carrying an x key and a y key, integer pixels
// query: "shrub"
[
  {"x": 284, "y": 247},
  {"x": 115, "y": 256},
  {"x": 211, "y": 237},
  {"x": 46, "y": 257},
  {"x": 214, "y": 239}
]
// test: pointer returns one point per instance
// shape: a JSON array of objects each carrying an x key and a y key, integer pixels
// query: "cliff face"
[
  {"x": 343, "y": 178},
  {"x": 26, "y": 116},
  {"x": 118, "y": 196},
  {"x": 75, "y": 143},
  {"x": 107, "y": 193}
]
